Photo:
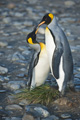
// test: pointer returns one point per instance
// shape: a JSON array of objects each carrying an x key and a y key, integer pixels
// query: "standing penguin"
[
  {"x": 59, "y": 53},
  {"x": 39, "y": 66}
]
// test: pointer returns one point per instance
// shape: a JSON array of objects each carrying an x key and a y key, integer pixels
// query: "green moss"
[{"x": 44, "y": 94}]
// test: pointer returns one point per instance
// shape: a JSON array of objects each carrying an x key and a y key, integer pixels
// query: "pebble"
[
  {"x": 3, "y": 70},
  {"x": 69, "y": 3},
  {"x": 65, "y": 115},
  {"x": 22, "y": 48},
  {"x": 13, "y": 107},
  {"x": 42, "y": 111},
  {"x": 77, "y": 75},
  {"x": 11, "y": 5},
  {"x": 1, "y": 79},
  {"x": 20, "y": 75},
  {"x": 2, "y": 91},
  {"x": 26, "y": 52},
  {"x": 7, "y": 20},
  {"x": 0, "y": 107},
  {"x": 28, "y": 23},
  {"x": 76, "y": 81},
  {"x": 11, "y": 99},
  {"x": 14, "y": 87},
  {"x": 6, "y": 78},
  {"x": 24, "y": 102},
  {"x": 16, "y": 118},
  {"x": 3, "y": 44},
  {"x": 28, "y": 117},
  {"x": 17, "y": 56},
  {"x": 52, "y": 117}
]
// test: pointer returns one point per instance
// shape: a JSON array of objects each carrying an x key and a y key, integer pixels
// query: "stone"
[
  {"x": 1, "y": 79},
  {"x": 14, "y": 86},
  {"x": 16, "y": 118},
  {"x": 3, "y": 112},
  {"x": 11, "y": 99},
  {"x": 0, "y": 107},
  {"x": 41, "y": 30},
  {"x": 3, "y": 70},
  {"x": 26, "y": 52},
  {"x": 2, "y": 91},
  {"x": 77, "y": 75},
  {"x": 28, "y": 117},
  {"x": 42, "y": 111},
  {"x": 17, "y": 56},
  {"x": 69, "y": 3},
  {"x": 6, "y": 78},
  {"x": 24, "y": 102},
  {"x": 7, "y": 20},
  {"x": 22, "y": 48},
  {"x": 52, "y": 117},
  {"x": 13, "y": 107},
  {"x": 77, "y": 88},
  {"x": 3, "y": 44},
  {"x": 65, "y": 115},
  {"x": 28, "y": 23},
  {"x": 18, "y": 14},
  {"x": 20, "y": 75},
  {"x": 11, "y": 5},
  {"x": 76, "y": 81}
]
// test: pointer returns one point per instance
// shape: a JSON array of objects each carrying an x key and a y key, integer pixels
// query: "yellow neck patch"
[
  {"x": 42, "y": 45},
  {"x": 51, "y": 16},
  {"x": 30, "y": 41}
]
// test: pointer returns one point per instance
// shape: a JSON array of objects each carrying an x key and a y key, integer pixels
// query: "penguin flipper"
[
  {"x": 56, "y": 60},
  {"x": 33, "y": 63}
]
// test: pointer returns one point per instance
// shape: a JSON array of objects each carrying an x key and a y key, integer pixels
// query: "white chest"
[{"x": 50, "y": 45}]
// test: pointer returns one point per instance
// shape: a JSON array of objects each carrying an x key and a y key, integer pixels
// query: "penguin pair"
[
  {"x": 59, "y": 53},
  {"x": 39, "y": 66}
]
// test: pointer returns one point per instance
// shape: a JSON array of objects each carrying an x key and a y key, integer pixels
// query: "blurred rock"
[
  {"x": 65, "y": 115},
  {"x": 13, "y": 107},
  {"x": 11, "y": 5},
  {"x": 17, "y": 56},
  {"x": 69, "y": 3},
  {"x": 3, "y": 70},
  {"x": 28, "y": 117},
  {"x": 3, "y": 44}
]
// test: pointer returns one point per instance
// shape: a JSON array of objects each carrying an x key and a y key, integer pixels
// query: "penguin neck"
[{"x": 53, "y": 23}]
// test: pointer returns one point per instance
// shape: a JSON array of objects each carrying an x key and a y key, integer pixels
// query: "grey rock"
[
  {"x": 9, "y": 47},
  {"x": 28, "y": 117},
  {"x": 1, "y": 79},
  {"x": 17, "y": 23},
  {"x": 28, "y": 23},
  {"x": 7, "y": 20},
  {"x": 17, "y": 14},
  {"x": 52, "y": 117},
  {"x": 26, "y": 31},
  {"x": 22, "y": 48},
  {"x": 42, "y": 111},
  {"x": 14, "y": 86},
  {"x": 77, "y": 75},
  {"x": 6, "y": 78},
  {"x": 20, "y": 75},
  {"x": 65, "y": 115},
  {"x": 17, "y": 91},
  {"x": 26, "y": 52},
  {"x": 77, "y": 81},
  {"x": 78, "y": 68},
  {"x": 2, "y": 91},
  {"x": 69, "y": 3},
  {"x": 1, "y": 107},
  {"x": 13, "y": 107},
  {"x": 16, "y": 118},
  {"x": 11, "y": 99},
  {"x": 17, "y": 56},
  {"x": 3, "y": 44},
  {"x": 3, "y": 70},
  {"x": 68, "y": 119},
  {"x": 24, "y": 102},
  {"x": 77, "y": 88}
]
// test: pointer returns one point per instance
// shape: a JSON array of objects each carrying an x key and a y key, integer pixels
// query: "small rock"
[
  {"x": 17, "y": 14},
  {"x": 3, "y": 44},
  {"x": 69, "y": 3},
  {"x": 28, "y": 23},
  {"x": 41, "y": 30},
  {"x": 13, "y": 107},
  {"x": 42, "y": 111},
  {"x": 76, "y": 81},
  {"x": 77, "y": 75},
  {"x": 11, "y": 99},
  {"x": 7, "y": 20},
  {"x": 2, "y": 91},
  {"x": 28, "y": 117},
  {"x": 26, "y": 52},
  {"x": 3, "y": 70},
  {"x": 65, "y": 115},
  {"x": 52, "y": 117},
  {"x": 11, "y": 5},
  {"x": 17, "y": 56},
  {"x": 3, "y": 113},
  {"x": 24, "y": 102},
  {"x": 0, "y": 107},
  {"x": 1, "y": 79},
  {"x": 16, "y": 118},
  {"x": 20, "y": 75},
  {"x": 6, "y": 78},
  {"x": 14, "y": 87},
  {"x": 22, "y": 48}
]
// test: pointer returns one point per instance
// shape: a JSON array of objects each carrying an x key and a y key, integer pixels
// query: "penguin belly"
[
  {"x": 61, "y": 79},
  {"x": 50, "y": 46},
  {"x": 42, "y": 69}
]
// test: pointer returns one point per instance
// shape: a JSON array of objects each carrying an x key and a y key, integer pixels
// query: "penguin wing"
[
  {"x": 56, "y": 60},
  {"x": 33, "y": 63}
]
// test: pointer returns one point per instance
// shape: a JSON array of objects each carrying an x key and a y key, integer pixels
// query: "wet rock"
[
  {"x": 77, "y": 75},
  {"x": 17, "y": 14},
  {"x": 2, "y": 91},
  {"x": 11, "y": 99},
  {"x": 69, "y": 3},
  {"x": 3, "y": 70},
  {"x": 77, "y": 81},
  {"x": 26, "y": 52},
  {"x": 6, "y": 78},
  {"x": 42, "y": 111},
  {"x": 77, "y": 88},
  {"x": 22, "y": 48},
  {"x": 24, "y": 102},
  {"x": 63, "y": 101},
  {"x": 0, "y": 107},
  {"x": 13, "y": 107},
  {"x": 16, "y": 118},
  {"x": 28, "y": 23},
  {"x": 52, "y": 117},
  {"x": 1, "y": 79},
  {"x": 17, "y": 56},
  {"x": 20, "y": 75},
  {"x": 41, "y": 30},
  {"x": 28, "y": 117},
  {"x": 11, "y": 5},
  {"x": 14, "y": 87},
  {"x": 65, "y": 115},
  {"x": 7, "y": 20},
  {"x": 3, "y": 44}
]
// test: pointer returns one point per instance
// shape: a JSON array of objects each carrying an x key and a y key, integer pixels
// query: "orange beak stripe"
[{"x": 38, "y": 26}]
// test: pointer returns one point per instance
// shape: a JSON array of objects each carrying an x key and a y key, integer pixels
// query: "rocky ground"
[{"x": 17, "y": 19}]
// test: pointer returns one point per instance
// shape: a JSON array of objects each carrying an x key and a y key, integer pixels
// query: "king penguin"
[
  {"x": 59, "y": 53},
  {"x": 39, "y": 67}
]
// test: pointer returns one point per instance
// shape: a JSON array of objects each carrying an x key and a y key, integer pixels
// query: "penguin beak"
[{"x": 41, "y": 23}]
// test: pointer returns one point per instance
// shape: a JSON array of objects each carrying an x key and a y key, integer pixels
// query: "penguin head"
[
  {"x": 31, "y": 40},
  {"x": 46, "y": 19}
]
